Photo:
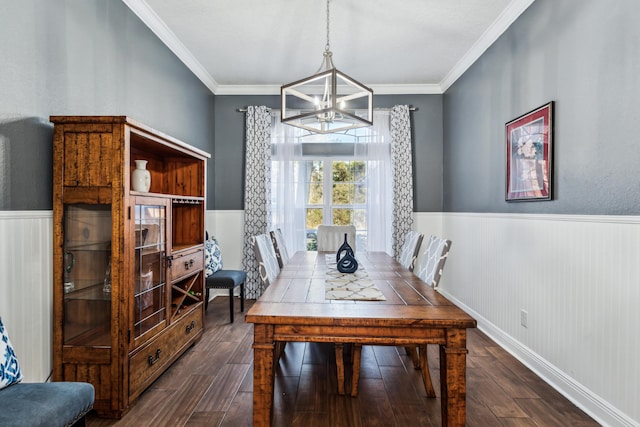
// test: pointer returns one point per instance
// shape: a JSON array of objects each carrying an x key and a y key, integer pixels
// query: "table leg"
[
  {"x": 263, "y": 374},
  {"x": 424, "y": 370},
  {"x": 355, "y": 379},
  {"x": 453, "y": 387},
  {"x": 339, "y": 348}
]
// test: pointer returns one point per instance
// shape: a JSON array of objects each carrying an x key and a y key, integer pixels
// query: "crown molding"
[
  {"x": 168, "y": 37},
  {"x": 143, "y": 11},
  {"x": 499, "y": 26},
  {"x": 406, "y": 89},
  {"x": 248, "y": 90},
  {"x": 383, "y": 89}
]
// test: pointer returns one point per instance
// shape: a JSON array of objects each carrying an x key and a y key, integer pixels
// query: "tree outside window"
[{"x": 337, "y": 195}]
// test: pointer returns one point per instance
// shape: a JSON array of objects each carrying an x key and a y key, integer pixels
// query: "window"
[
  {"x": 337, "y": 179},
  {"x": 336, "y": 194}
]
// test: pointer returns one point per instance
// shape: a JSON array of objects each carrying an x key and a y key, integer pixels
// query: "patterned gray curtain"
[
  {"x": 402, "y": 175},
  {"x": 257, "y": 191}
]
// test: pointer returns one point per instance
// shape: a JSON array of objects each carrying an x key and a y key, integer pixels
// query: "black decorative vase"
[{"x": 345, "y": 258}]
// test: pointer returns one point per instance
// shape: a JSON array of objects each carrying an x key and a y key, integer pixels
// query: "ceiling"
[{"x": 393, "y": 46}]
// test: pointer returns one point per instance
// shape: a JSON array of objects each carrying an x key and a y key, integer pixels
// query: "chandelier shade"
[{"x": 328, "y": 101}]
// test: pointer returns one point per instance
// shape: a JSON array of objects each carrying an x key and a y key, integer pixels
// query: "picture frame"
[{"x": 529, "y": 154}]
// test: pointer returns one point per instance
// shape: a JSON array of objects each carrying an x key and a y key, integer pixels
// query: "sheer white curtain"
[
  {"x": 375, "y": 149},
  {"x": 288, "y": 184}
]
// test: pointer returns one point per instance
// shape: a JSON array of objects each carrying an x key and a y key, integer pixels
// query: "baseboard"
[{"x": 579, "y": 395}]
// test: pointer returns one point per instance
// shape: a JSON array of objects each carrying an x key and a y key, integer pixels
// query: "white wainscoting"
[
  {"x": 576, "y": 276},
  {"x": 578, "y": 279},
  {"x": 26, "y": 251},
  {"x": 228, "y": 227}
]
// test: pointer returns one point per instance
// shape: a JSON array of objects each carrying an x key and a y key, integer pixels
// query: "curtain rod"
[{"x": 244, "y": 110}]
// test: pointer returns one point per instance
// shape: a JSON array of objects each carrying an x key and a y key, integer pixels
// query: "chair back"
[
  {"x": 331, "y": 237},
  {"x": 282, "y": 254},
  {"x": 433, "y": 259},
  {"x": 268, "y": 267},
  {"x": 410, "y": 249}
]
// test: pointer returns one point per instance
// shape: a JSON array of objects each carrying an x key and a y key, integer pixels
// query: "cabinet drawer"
[
  {"x": 151, "y": 360},
  {"x": 187, "y": 263}
]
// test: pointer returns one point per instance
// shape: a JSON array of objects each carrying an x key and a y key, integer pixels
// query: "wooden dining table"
[{"x": 294, "y": 308}]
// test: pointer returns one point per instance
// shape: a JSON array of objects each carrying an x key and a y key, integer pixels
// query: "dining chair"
[
  {"x": 430, "y": 271},
  {"x": 280, "y": 247},
  {"x": 410, "y": 249},
  {"x": 331, "y": 237},
  {"x": 433, "y": 260},
  {"x": 408, "y": 258},
  {"x": 217, "y": 277},
  {"x": 268, "y": 267}
]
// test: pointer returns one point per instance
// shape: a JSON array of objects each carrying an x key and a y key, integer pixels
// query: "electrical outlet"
[{"x": 523, "y": 318}]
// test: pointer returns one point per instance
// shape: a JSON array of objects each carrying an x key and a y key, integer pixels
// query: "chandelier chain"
[
  {"x": 327, "y": 47},
  {"x": 324, "y": 96}
]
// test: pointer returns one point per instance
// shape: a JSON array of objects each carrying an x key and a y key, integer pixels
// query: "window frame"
[{"x": 328, "y": 204}]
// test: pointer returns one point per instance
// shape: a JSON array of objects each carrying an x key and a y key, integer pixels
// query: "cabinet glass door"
[
  {"x": 87, "y": 275},
  {"x": 150, "y": 287}
]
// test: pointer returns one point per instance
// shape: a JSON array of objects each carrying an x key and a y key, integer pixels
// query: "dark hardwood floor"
[{"x": 211, "y": 385}]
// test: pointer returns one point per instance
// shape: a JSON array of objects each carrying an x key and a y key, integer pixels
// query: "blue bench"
[{"x": 46, "y": 404}]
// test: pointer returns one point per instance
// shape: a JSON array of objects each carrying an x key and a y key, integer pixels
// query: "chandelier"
[{"x": 328, "y": 101}]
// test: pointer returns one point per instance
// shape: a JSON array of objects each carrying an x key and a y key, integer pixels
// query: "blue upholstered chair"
[{"x": 218, "y": 278}]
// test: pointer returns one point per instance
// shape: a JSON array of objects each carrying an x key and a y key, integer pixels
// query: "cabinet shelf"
[
  {"x": 185, "y": 293},
  {"x": 95, "y": 337},
  {"x": 88, "y": 246},
  {"x": 88, "y": 290},
  {"x": 187, "y": 201},
  {"x": 186, "y": 311},
  {"x": 175, "y": 198}
]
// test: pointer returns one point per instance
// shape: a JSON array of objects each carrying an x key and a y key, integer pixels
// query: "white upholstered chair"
[
  {"x": 280, "y": 247},
  {"x": 408, "y": 257},
  {"x": 430, "y": 271},
  {"x": 410, "y": 249},
  {"x": 433, "y": 260},
  {"x": 268, "y": 266},
  {"x": 330, "y": 237}
]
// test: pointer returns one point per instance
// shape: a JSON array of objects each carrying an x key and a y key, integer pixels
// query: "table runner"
[{"x": 349, "y": 286}]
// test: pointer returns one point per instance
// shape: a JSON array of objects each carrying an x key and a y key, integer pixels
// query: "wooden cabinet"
[{"x": 128, "y": 266}]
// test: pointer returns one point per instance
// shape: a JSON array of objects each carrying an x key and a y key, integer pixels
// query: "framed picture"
[{"x": 529, "y": 152}]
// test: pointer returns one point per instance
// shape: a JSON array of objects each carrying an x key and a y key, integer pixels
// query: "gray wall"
[
  {"x": 228, "y": 191},
  {"x": 585, "y": 56},
  {"x": 84, "y": 57}
]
